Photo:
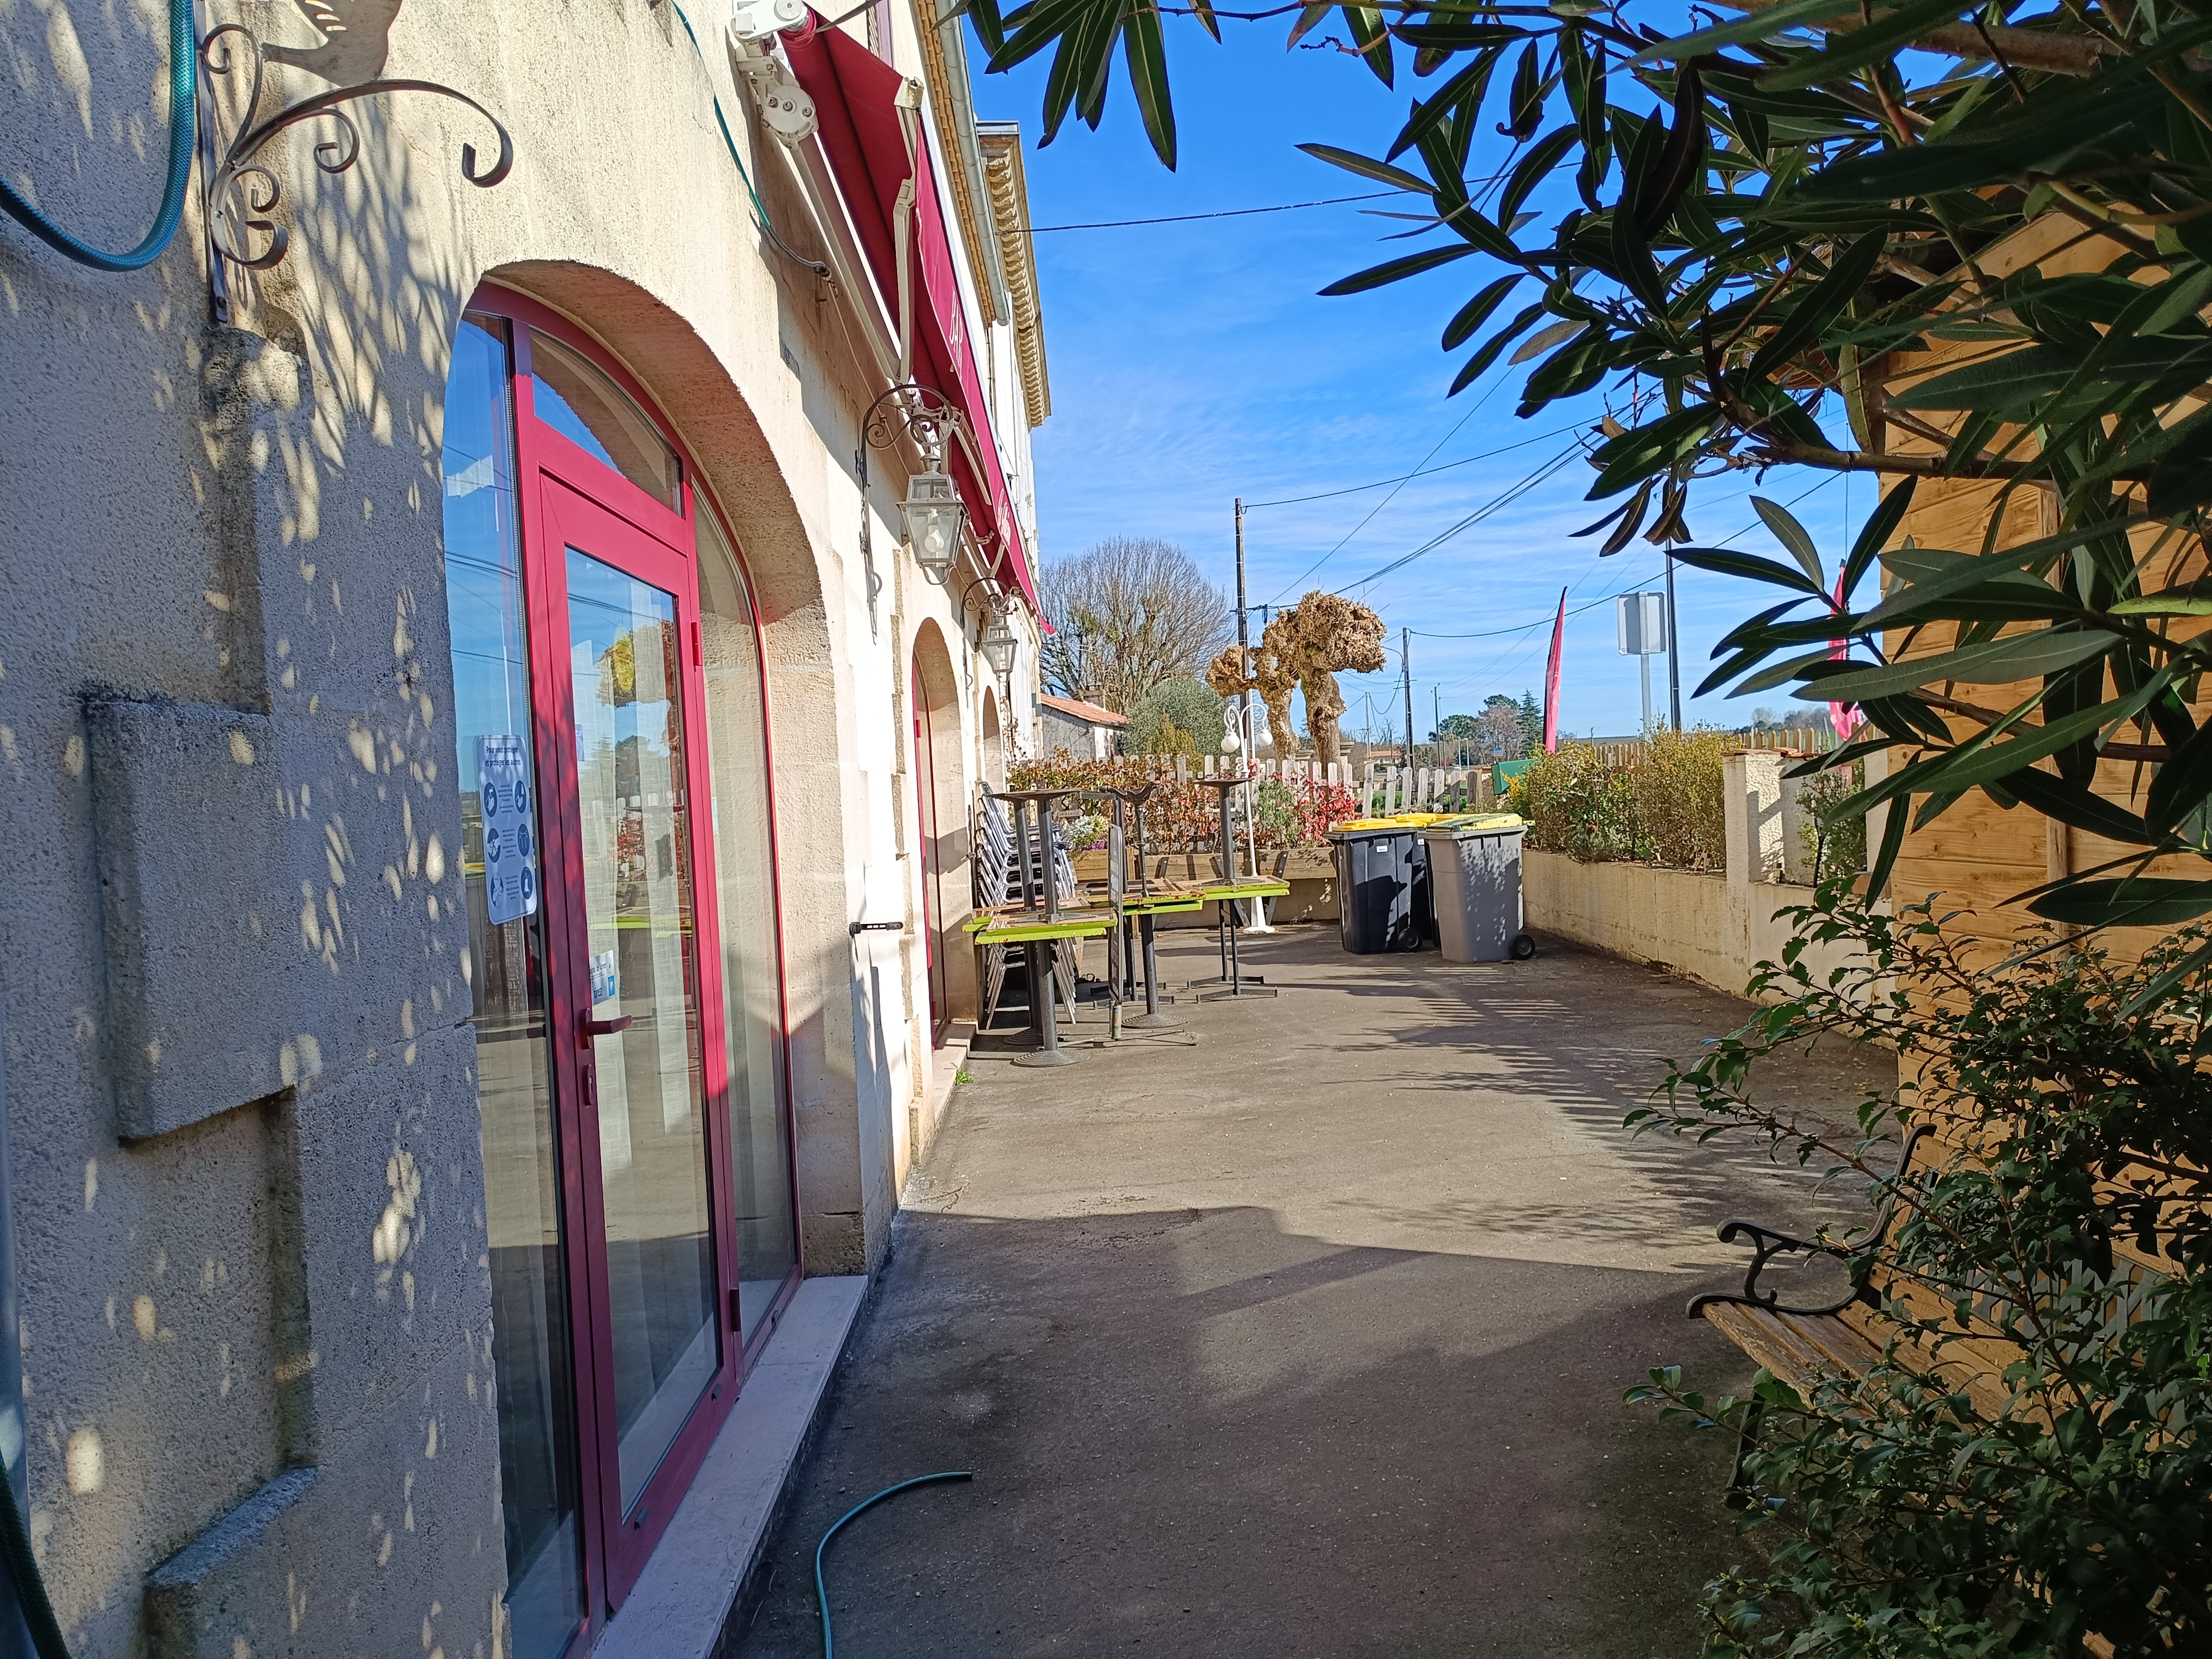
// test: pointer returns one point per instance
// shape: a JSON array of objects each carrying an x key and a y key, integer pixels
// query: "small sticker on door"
[
  {"x": 510, "y": 850},
  {"x": 602, "y": 977}
]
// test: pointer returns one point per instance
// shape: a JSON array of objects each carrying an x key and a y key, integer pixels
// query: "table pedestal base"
[
  {"x": 1152, "y": 1019},
  {"x": 1232, "y": 978},
  {"x": 1043, "y": 1019}
]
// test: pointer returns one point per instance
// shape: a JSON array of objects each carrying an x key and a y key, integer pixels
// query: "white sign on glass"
[{"x": 510, "y": 848}]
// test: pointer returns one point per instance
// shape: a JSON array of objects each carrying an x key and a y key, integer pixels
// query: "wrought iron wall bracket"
[
  {"x": 920, "y": 414},
  {"x": 241, "y": 191}
]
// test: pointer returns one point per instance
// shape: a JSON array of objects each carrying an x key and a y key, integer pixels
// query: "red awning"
[{"x": 854, "y": 94}]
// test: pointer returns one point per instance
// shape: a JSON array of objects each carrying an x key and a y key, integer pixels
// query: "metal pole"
[
  {"x": 1243, "y": 638},
  {"x": 1674, "y": 660},
  {"x": 1643, "y": 668},
  {"x": 1405, "y": 649}
]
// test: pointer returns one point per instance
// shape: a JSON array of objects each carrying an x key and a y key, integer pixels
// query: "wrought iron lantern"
[
  {"x": 933, "y": 513},
  {"x": 998, "y": 645}
]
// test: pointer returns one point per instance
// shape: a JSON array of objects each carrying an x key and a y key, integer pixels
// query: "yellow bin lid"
[{"x": 1402, "y": 821}]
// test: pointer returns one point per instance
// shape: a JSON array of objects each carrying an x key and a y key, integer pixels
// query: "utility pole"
[
  {"x": 1437, "y": 723},
  {"x": 1405, "y": 649},
  {"x": 1673, "y": 659}
]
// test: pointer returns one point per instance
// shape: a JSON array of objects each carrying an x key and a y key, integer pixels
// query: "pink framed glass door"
[
  {"x": 611, "y": 702},
  {"x": 925, "y": 822},
  {"x": 635, "y": 978}
]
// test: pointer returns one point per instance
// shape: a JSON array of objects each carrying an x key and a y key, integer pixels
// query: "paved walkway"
[{"x": 1306, "y": 1339}]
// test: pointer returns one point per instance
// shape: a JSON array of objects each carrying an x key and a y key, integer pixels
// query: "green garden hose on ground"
[
  {"x": 821, "y": 1592},
  {"x": 22, "y": 1568},
  {"x": 183, "y": 64}
]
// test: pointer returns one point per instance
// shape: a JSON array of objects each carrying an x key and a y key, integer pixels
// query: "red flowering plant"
[{"x": 1184, "y": 814}]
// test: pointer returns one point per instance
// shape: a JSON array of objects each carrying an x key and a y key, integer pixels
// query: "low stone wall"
[
  {"x": 1675, "y": 918},
  {"x": 1710, "y": 928}
]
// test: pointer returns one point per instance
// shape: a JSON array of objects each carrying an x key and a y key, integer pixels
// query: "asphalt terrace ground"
[{"x": 1307, "y": 1338}]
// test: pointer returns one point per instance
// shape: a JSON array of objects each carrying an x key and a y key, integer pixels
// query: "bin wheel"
[{"x": 1522, "y": 947}]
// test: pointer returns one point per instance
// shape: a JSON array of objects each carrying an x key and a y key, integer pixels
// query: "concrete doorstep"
[{"x": 696, "y": 1579}]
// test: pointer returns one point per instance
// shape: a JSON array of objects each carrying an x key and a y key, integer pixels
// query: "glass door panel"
[
  {"x": 924, "y": 817},
  {"x": 640, "y": 934},
  {"x": 745, "y": 898},
  {"x": 505, "y": 968}
]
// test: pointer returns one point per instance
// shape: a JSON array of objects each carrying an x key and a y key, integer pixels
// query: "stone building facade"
[{"x": 465, "y": 693}]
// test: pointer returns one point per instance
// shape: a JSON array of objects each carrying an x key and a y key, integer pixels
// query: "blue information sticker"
[{"x": 510, "y": 868}]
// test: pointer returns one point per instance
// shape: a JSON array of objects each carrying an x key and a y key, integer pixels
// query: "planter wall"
[{"x": 1714, "y": 928}]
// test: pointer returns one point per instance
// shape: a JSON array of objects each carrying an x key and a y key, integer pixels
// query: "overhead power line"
[
  {"x": 1505, "y": 498},
  {"x": 1224, "y": 213},
  {"x": 1239, "y": 213},
  {"x": 1392, "y": 497},
  {"x": 1546, "y": 620},
  {"x": 1406, "y": 477}
]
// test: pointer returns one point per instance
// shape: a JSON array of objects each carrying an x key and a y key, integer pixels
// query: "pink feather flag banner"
[
  {"x": 1845, "y": 716},
  {"x": 1551, "y": 677}
]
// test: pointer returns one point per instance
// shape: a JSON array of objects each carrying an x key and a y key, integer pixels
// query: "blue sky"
[{"x": 1193, "y": 363}]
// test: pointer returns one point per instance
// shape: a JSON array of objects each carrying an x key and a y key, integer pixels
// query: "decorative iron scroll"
[
  {"x": 921, "y": 414},
  {"x": 242, "y": 191}
]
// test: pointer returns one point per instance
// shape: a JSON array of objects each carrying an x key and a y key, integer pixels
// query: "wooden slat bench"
[{"x": 1844, "y": 1339}]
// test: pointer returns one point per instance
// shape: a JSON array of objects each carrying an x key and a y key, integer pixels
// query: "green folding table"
[{"x": 1034, "y": 932}]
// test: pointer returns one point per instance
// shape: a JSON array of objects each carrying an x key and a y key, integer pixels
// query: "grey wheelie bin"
[
  {"x": 1474, "y": 876},
  {"x": 1382, "y": 901}
]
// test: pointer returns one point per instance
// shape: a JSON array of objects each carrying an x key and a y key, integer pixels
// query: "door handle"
[{"x": 599, "y": 1028}]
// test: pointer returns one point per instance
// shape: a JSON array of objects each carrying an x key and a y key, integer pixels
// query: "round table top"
[{"x": 1032, "y": 794}]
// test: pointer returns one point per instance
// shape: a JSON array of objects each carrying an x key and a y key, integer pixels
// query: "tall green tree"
[{"x": 1762, "y": 209}]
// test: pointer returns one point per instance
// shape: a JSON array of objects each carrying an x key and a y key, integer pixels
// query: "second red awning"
[{"x": 855, "y": 101}]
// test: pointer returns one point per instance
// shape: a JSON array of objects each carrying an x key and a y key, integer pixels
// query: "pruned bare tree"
[
  {"x": 1306, "y": 646},
  {"x": 1129, "y": 613}
]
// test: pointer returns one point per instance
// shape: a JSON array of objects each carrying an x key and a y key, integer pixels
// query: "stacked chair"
[{"x": 998, "y": 866}]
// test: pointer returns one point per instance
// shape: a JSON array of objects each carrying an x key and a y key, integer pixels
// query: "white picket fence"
[
  {"x": 1379, "y": 789},
  {"x": 1803, "y": 739}
]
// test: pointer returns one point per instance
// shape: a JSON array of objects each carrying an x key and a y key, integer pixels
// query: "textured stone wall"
[{"x": 248, "y": 1171}]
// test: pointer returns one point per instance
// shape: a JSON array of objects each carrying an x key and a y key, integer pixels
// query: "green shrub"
[
  {"x": 1578, "y": 803},
  {"x": 1677, "y": 792},
  {"x": 1175, "y": 717},
  {"x": 1663, "y": 807},
  {"x": 2060, "y": 1229},
  {"x": 1838, "y": 848}
]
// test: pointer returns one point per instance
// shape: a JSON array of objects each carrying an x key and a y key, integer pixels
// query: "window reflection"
[
  {"x": 624, "y": 661},
  {"x": 506, "y": 966},
  {"x": 745, "y": 897},
  {"x": 579, "y": 401}
]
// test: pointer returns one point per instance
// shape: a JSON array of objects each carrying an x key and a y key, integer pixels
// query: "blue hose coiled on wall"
[{"x": 183, "y": 130}]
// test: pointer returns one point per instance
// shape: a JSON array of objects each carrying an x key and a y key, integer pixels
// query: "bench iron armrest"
[{"x": 1766, "y": 1244}]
